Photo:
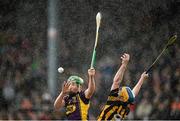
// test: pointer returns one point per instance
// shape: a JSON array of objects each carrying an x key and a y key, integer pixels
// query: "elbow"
[
  {"x": 116, "y": 81},
  {"x": 56, "y": 107},
  {"x": 92, "y": 87},
  {"x": 92, "y": 90},
  {"x": 135, "y": 91}
]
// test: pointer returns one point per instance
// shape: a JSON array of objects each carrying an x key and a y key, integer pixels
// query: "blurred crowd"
[
  {"x": 138, "y": 27},
  {"x": 22, "y": 73},
  {"x": 23, "y": 82}
]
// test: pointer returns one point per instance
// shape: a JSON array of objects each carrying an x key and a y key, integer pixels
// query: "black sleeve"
[
  {"x": 112, "y": 96},
  {"x": 114, "y": 92},
  {"x": 83, "y": 97}
]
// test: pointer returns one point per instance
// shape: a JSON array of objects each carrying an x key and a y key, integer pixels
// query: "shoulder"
[
  {"x": 83, "y": 97},
  {"x": 113, "y": 96},
  {"x": 114, "y": 91}
]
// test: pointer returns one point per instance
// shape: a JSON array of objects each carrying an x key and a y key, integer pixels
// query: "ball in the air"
[{"x": 60, "y": 69}]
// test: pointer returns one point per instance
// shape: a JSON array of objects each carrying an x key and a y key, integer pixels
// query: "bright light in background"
[
  {"x": 52, "y": 33},
  {"x": 52, "y": 46}
]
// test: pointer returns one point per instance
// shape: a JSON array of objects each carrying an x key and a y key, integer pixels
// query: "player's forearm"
[
  {"x": 137, "y": 88},
  {"x": 59, "y": 101},
  {"x": 120, "y": 73},
  {"x": 91, "y": 86}
]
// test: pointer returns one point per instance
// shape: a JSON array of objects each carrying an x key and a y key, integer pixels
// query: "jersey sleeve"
[
  {"x": 83, "y": 97},
  {"x": 65, "y": 100},
  {"x": 114, "y": 92},
  {"x": 112, "y": 96}
]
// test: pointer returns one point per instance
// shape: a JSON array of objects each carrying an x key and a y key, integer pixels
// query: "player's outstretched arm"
[
  {"x": 119, "y": 75},
  {"x": 59, "y": 102},
  {"x": 91, "y": 83},
  {"x": 136, "y": 89}
]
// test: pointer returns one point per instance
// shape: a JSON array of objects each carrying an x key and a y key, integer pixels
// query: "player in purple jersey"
[{"x": 74, "y": 99}]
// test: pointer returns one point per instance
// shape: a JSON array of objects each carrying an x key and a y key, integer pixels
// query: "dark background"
[{"x": 140, "y": 28}]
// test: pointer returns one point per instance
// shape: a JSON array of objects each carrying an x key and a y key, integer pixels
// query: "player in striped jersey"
[{"x": 120, "y": 98}]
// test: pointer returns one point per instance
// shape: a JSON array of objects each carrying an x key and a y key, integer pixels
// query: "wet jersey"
[
  {"x": 114, "y": 106},
  {"x": 77, "y": 106}
]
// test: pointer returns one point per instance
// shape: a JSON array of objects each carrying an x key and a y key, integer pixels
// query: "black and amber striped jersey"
[{"x": 116, "y": 106}]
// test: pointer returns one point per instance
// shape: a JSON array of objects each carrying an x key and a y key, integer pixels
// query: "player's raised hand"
[
  {"x": 144, "y": 75},
  {"x": 91, "y": 72},
  {"x": 65, "y": 87},
  {"x": 125, "y": 58}
]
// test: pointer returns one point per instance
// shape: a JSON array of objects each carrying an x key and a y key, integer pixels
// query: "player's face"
[{"x": 74, "y": 87}]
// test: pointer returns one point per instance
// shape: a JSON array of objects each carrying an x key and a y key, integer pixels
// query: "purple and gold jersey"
[
  {"x": 77, "y": 106},
  {"x": 115, "y": 106}
]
